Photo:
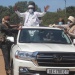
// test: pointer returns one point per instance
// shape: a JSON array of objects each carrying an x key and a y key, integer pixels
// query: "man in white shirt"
[{"x": 31, "y": 16}]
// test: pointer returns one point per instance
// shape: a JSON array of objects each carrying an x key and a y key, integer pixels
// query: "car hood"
[{"x": 47, "y": 47}]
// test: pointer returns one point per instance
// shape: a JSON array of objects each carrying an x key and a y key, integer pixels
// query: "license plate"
[{"x": 57, "y": 71}]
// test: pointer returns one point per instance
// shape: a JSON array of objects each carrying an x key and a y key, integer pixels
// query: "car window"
[{"x": 43, "y": 36}]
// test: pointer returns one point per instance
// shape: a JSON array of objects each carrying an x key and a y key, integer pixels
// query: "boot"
[{"x": 8, "y": 72}]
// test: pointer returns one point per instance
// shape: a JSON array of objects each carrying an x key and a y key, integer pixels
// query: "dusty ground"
[{"x": 2, "y": 70}]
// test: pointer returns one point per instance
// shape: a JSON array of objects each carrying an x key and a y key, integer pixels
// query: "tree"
[
  {"x": 71, "y": 11},
  {"x": 49, "y": 18},
  {"x": 22, "y": 7}
]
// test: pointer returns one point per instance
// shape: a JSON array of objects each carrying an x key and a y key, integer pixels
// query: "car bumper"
[{"x": 22, "y": 67}]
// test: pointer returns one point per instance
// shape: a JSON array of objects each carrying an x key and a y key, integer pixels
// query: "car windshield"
[{"x": 43, "y": 36}]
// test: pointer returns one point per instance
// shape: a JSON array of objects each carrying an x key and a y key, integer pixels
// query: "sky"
[{"x": 54, "y": 4}]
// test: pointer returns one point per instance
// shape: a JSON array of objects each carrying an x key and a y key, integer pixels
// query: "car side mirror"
[
  {"x": 74, "y": 41},
  {"x": 10, "y": 38}
]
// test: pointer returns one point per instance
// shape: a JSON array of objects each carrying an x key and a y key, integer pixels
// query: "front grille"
[{"x": 56, "y": 59}]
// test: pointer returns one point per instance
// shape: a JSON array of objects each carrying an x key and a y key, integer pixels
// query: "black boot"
[{"x": 7, "y": 73}]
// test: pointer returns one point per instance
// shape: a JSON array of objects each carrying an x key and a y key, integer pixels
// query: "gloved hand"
[{"x": 46, "y": 8}]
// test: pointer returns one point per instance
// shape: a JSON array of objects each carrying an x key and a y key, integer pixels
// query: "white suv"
[{"x": 42, "y": 51}]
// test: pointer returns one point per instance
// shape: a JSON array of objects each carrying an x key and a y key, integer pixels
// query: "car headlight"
[{"x": 23, "y": 55}]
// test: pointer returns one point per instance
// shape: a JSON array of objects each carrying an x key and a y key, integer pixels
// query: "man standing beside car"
[{"x": 5, "y": 45}]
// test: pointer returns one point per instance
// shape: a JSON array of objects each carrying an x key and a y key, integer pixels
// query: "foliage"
[{"x": 49, "y": 18}]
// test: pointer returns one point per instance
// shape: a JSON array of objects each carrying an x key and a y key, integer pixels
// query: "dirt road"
[{"x": 2, "y": 70}]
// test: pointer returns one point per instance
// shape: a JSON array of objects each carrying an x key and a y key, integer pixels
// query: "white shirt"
[{"x": 31, "y": 19}]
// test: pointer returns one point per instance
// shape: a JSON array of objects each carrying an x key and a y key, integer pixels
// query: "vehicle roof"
[{"x": 25, "y": 27}]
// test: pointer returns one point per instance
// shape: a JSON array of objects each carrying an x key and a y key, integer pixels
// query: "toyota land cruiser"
[{"x": 42, "y": 51}]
